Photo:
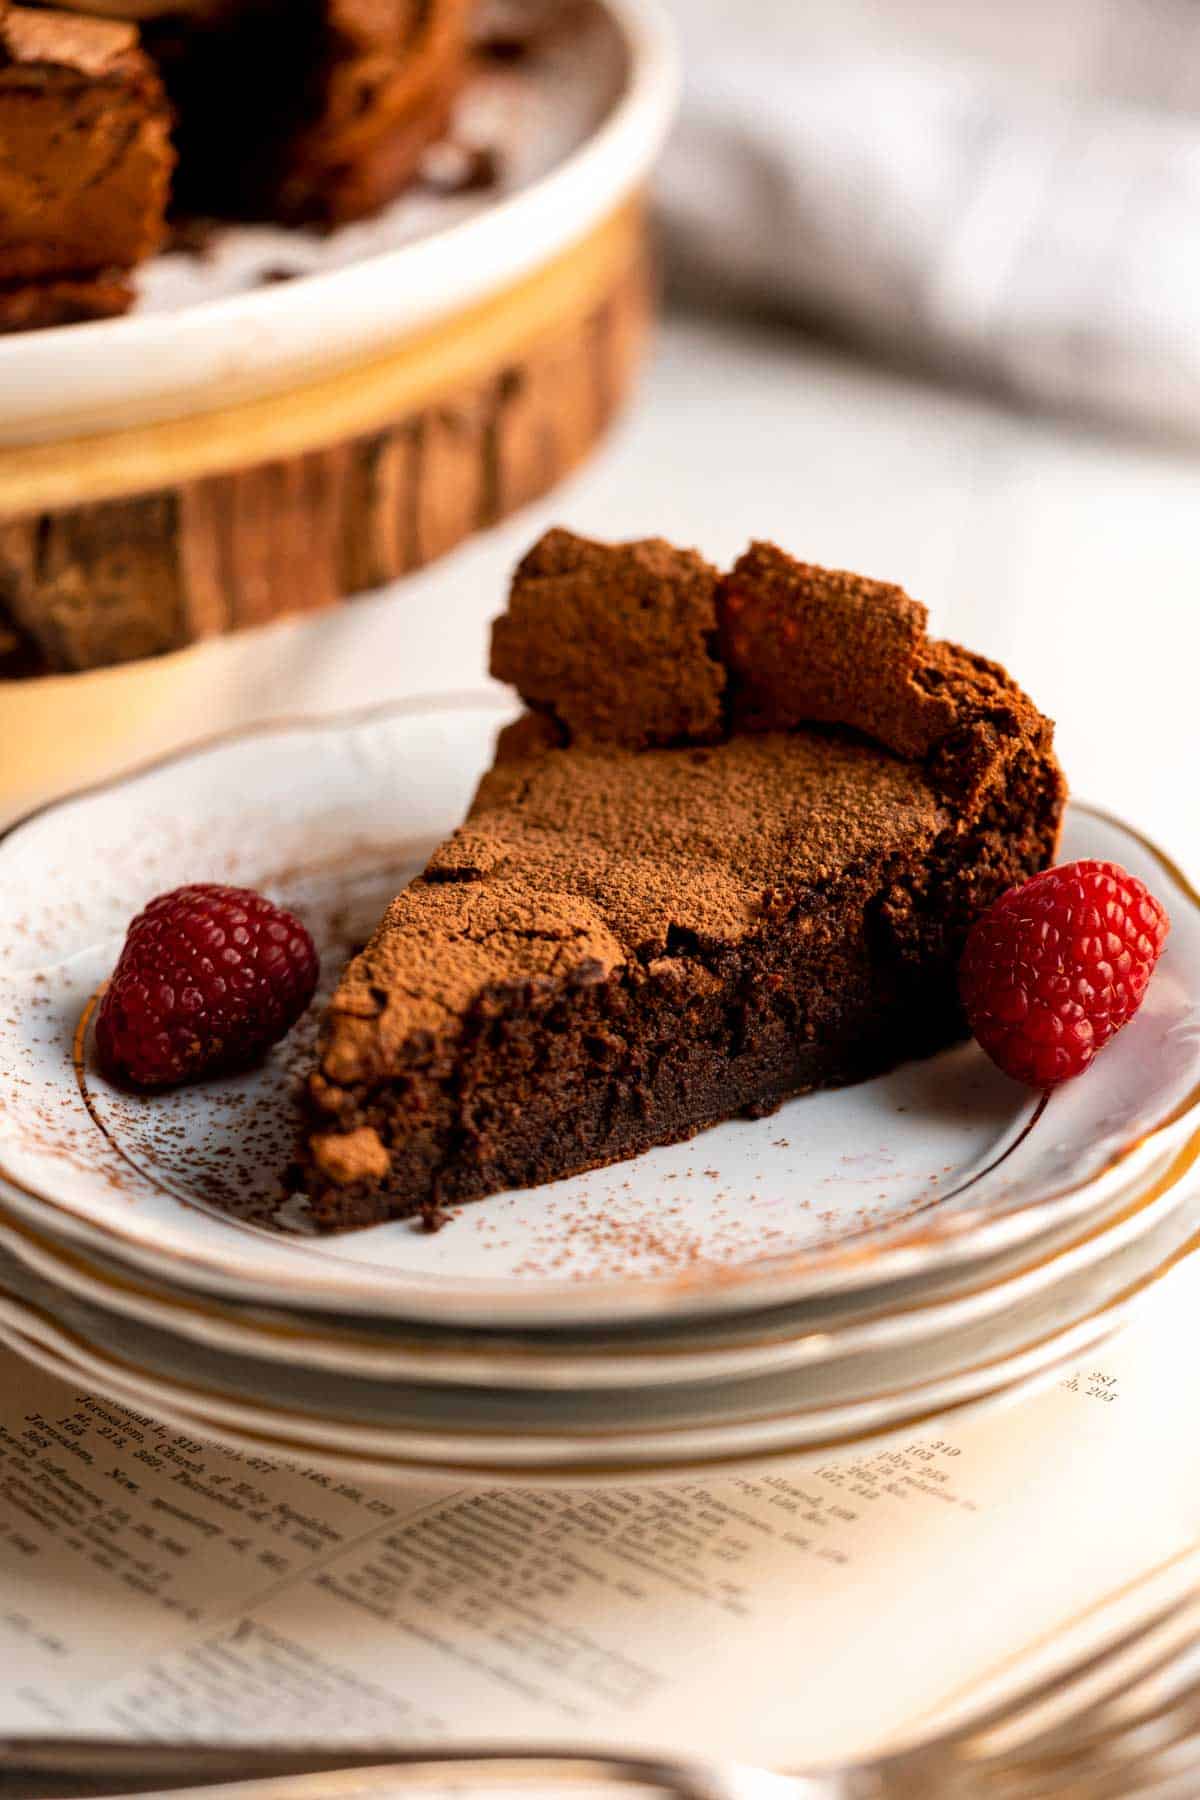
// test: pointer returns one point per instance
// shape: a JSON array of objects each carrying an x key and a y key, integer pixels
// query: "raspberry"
[
  {"x": 1058, "y": 965},
  {"x": 208, "y": 979}
]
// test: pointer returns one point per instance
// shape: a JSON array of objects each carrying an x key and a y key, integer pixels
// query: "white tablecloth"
[{"x": 1010, "y": 193}]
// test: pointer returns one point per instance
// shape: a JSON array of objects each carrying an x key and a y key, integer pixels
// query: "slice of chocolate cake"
[
  {"x": 85, "y": 166},
  {"x": 730, "y": 854}
]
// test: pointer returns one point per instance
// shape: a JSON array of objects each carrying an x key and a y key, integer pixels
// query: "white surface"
[
  {"x": 178, "y": 357},
  {"x": 1069, "y": 556},
  {"x": 934, "y": 1165}
]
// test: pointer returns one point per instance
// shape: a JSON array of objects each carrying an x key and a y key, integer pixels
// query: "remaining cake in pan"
[
  {"x": 85, "y": 166},
  {"x": 730, "y": 854},
  {"x": 297, "y": 111},
  {"x": 306, "y": 111}
]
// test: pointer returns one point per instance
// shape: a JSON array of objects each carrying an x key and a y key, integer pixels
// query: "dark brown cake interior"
[{"x": 655, "y": 917}]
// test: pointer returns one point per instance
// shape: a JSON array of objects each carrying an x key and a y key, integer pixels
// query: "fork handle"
[{"x": 46, "y": 1768}]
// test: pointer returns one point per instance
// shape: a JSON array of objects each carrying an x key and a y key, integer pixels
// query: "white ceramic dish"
[
  {"x": 824, "y": 1398},
  {"x": 683, "y": 1431},
  {"x": 582, "y": 139},
  {"x": 390, "y": 1471},
  {"x": 838, "y": 1373},
  {"x": 949, "y": 1160},
  {"x": 793, "y": 1341},
  {"x": 651, "y": 1451},
  {"x": 935, "y": 1166}
]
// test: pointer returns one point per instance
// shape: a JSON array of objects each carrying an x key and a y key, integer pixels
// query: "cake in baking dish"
[
  {"x": 303, "y": 112},
  {"x": 85, "y": 166}
]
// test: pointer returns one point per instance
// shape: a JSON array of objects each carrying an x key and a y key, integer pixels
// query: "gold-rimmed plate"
[
  {"x": 667, "y": 1440},
  {"x": 39, "y": 1349},
  {"x": 1002, "y": 1303},
  {"x": 936, "y": 1166}
]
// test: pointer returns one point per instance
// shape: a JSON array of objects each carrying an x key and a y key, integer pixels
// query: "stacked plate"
[{"x": 854, "y": 1268}]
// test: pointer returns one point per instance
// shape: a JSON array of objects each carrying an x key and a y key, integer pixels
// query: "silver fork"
[{"x": 1121, "y": 1723}]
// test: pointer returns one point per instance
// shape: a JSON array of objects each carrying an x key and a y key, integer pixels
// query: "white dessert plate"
[
  {"x": 956, "y": 1357},
  {"x": 290, "y": 1452},
  {"x": 720, "y": 1350},
  {"x": 671, "y": 1434},
  {"x": 935, "y": 1166},
  {"x": 575, "y": 129}
]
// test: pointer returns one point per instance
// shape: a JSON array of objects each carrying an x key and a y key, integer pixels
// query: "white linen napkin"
[{"x": 1035, "y": 227}]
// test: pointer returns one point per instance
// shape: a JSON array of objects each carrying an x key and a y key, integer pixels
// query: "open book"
[{"x": 153, "y": 1585}]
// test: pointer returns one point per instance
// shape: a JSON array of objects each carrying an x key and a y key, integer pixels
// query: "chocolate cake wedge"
[{"x": 729, "y": 854}]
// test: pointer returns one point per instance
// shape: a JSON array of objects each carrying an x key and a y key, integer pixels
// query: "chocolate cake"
[
  {"x": 85, "y": 166},
  {"x": 729, "y": 854},
  {"x": 299, "y": 111},
  {"x": 296, "y": 111},
  {"x": 305, "y": 111}
]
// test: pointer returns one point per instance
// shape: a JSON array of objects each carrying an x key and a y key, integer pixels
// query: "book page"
[{"x": 153, "y": 1585}]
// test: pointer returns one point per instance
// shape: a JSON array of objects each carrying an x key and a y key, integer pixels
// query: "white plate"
[
  {"x": 516, "y": 1426},
  {"x": 649, "y": 1454},
  {"x": 576, "y": 138},
  {"x": 933, "y": 1166},
  {"x": 290, "y": 1452},
  {"x": 773, "y": 1343},
  {"x": 634, "y": 1446}
]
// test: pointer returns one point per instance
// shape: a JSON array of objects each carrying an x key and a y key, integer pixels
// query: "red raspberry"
[
  {"x": 208, "y": 979},
  {"x": 1058, "y": 965}
]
